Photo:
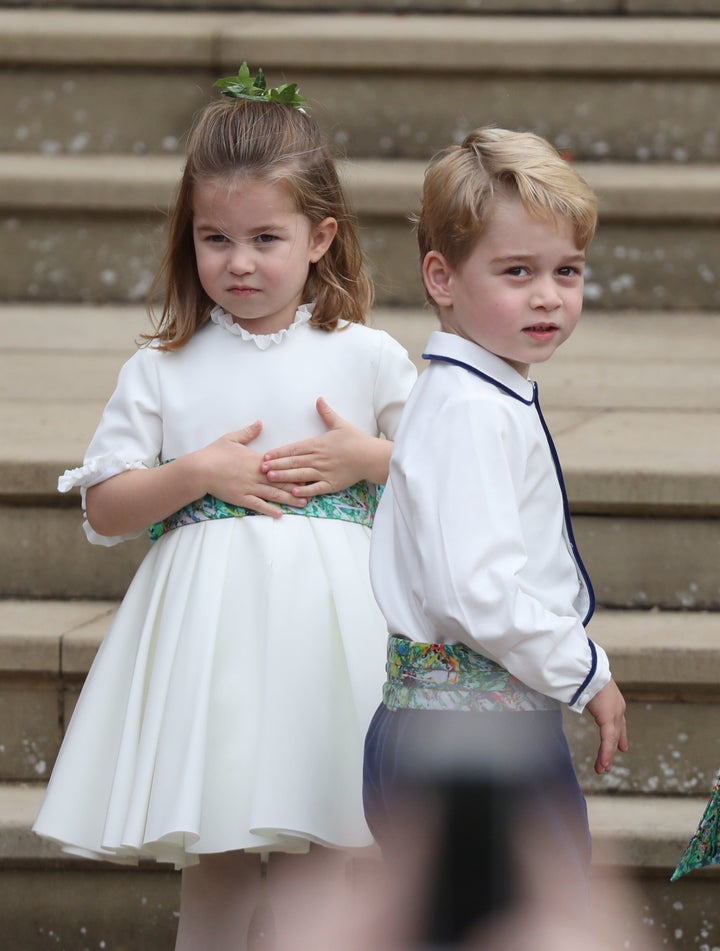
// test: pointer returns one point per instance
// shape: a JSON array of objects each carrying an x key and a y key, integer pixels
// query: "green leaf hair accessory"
[{"x": 245, "y": 86}]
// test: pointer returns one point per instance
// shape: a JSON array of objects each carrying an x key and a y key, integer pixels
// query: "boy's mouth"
[{"x": 541, "y": 331}]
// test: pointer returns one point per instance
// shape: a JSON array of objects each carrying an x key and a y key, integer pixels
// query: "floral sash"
[
  {"x": 357, "y": 504},
  {"x": 453, "y": 677}
]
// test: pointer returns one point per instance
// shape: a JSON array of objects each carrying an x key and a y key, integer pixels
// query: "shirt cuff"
[{"x": 598, "y": 677}]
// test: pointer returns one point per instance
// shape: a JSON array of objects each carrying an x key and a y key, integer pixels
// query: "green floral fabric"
[
  {"x": 453, "y": 677},
  {"x": 357, "y": 504},
  {"x": 704, "y": 847}
]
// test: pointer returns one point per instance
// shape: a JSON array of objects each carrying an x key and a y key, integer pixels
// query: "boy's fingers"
[
  {"x": 623, "y": 744},
  {"x": 612, "y": 739}
]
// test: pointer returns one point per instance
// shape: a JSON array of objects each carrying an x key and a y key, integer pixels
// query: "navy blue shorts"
[{"x": 494, "y": 771}]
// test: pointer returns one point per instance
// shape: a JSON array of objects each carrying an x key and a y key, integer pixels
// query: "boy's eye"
[
  {"x": 570, "y": 271},
  {"x": 518, "y": 270}
]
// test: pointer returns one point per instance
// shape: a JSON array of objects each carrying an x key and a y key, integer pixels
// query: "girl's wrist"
[
  {"x": 194, "y": 473},
  {"x": 379, "y": 451}
]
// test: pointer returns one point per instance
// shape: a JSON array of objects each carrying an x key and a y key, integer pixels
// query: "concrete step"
[
  {"x": 467, "y": 8},
  {"x": 50, "y": 901},
  {"x": 89, "y": 228},
  {"x": 632, "y": 399},
  {"x": 666, "y": 663},
  {"x": 608, "y": 87}
]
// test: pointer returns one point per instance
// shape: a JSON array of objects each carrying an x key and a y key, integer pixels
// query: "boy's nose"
[{"x": 545, "y": 295}]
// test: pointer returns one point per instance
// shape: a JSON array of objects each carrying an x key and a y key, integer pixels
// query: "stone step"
[
  {"x": 666, "y": 663},
  {"x": 48, "y": 900},
  {"x": 468, "y": 8},
  {"x": 614, "y": 88},
  {"x": 89, "y": 228},
  {"x": 632, "y": 399}
]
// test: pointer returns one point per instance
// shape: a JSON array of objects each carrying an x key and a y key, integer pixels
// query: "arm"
[
  {"x": 226, "y": 468},
  {"x": 342, "y": 456}
]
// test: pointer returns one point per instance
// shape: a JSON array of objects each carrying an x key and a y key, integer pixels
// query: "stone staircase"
[{"x": 96, "y": 99}]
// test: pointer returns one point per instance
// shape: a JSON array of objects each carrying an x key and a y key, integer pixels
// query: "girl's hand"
[
  {"x": 608, "y": 710},
  {"x": 339, "y": 458},
  {"x": 233, "y": 474}
]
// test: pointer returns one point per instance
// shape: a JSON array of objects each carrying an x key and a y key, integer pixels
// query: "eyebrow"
[
  {"x": 523, "y": 256},
  {"x": 259, "y": 229}
]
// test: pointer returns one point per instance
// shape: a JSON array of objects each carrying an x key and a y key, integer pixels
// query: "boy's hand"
[
  {"x": 342, "y": 456},
  {"x": 607, "y": 708}
]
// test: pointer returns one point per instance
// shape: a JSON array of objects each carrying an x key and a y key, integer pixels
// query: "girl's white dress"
[{"x": 228, "y": 703}]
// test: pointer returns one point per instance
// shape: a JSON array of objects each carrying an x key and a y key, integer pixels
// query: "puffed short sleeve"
[
  {"x": 129, "y": 435},
  {"x": 395, "y": 379}
]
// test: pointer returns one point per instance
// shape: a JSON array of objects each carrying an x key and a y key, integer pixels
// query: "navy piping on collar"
[
  {"x": 484, "y": 376},
  {"x": 561, "y": 481}
]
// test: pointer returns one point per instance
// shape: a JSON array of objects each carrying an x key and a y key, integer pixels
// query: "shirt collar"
[{"x": 451, "y": 348}]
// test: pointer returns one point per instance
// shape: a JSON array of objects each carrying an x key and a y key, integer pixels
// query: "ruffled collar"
[{"x": 261, "y": 341}]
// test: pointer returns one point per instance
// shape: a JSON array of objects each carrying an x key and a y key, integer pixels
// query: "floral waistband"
[
  {"x": 453, "y": 677},
  {"x": 357, "y": 504}
]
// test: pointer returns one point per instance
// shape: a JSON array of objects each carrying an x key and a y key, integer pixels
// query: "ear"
[
  {"x": 437, "y": 276},
  {"x": 323, "y": 235}
]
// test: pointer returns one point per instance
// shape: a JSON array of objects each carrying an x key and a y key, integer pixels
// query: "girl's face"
[{"x": 254, "y": 250}]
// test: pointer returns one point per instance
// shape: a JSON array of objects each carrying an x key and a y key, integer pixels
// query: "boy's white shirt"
[{"x": 470, "y": 543}]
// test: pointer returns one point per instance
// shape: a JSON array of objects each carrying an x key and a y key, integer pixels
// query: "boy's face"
[{"x": 519, "y": 292}]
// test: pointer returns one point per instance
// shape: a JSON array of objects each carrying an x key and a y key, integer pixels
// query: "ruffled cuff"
[
  {"x": 97, "y": 470},
  {"x": 106, "y": 541},
  {"x": 94, "y": 471}
]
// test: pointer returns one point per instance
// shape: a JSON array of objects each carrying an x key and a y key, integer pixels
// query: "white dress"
[{"x": 228, "y": 703}]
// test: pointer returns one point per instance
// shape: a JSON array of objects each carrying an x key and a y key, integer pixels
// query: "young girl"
[{"x": 226, "y": 710}]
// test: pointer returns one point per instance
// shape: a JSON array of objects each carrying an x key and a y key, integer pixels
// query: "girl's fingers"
[
  {"x": 287, "y": 456},
  {"x": 310, "y": 490},
  {"x": 247, "y": 433},
  {"x": 293, "y": 476},
  {"x": 283, "y": 463},
  {"x": 326, "y": 412}
]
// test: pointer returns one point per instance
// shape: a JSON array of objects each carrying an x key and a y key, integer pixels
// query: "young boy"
[{"x": 473, "y": 558}]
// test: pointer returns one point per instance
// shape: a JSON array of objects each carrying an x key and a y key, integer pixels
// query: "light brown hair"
[
  {"x": 271, "y": 143},
  {"x": 462, "y": 183}
]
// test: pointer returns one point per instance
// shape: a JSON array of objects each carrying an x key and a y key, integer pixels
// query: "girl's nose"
[{"x": 240, "y": 260}]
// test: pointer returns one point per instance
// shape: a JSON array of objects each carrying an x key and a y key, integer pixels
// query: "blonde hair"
[
  {"x": 272, "y": 143},
  {"x": 463, "y": 182}
]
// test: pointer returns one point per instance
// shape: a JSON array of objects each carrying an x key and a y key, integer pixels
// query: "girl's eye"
[
  {"x": 265, "y": 238},
  {"x": 216, "y": 238}
]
